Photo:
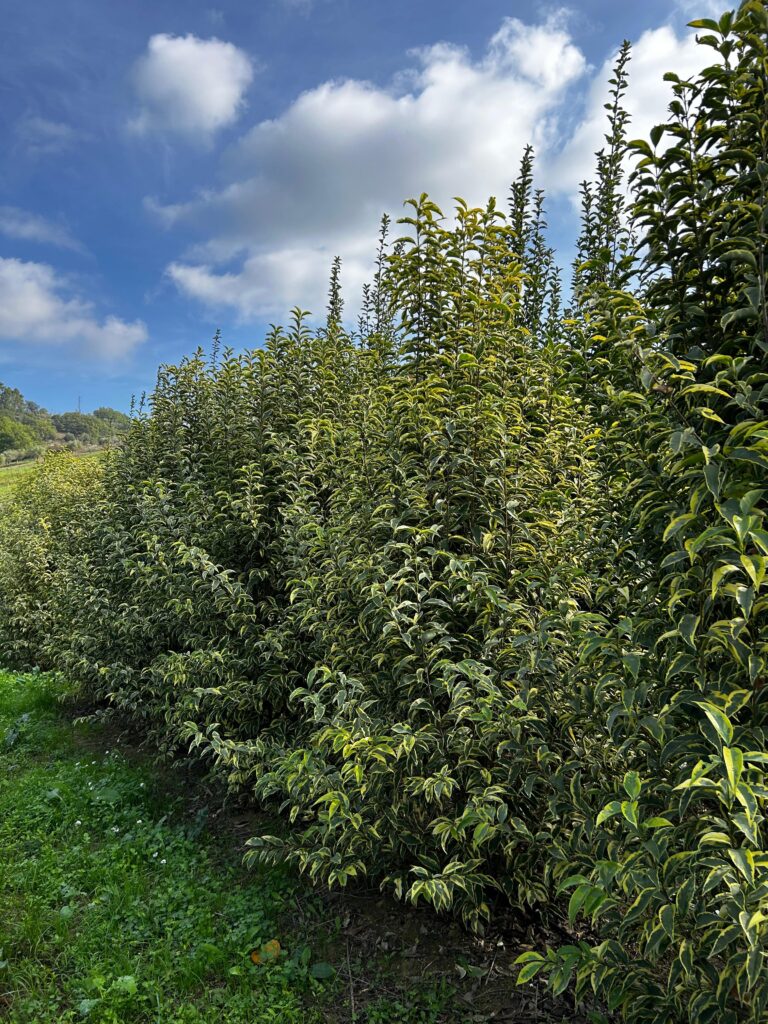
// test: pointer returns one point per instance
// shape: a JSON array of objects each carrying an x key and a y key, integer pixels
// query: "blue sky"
[{"x": 170, "y": 167}]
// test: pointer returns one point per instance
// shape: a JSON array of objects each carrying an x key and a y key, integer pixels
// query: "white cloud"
[
  {"x": 656, "y": 52},
  {"x": 313, "y": 182},
  {"x": 189, "y": 86},
  {"x": 296, "y": 275},
  {"x": 37, "y": 308},
  {"x": 701, "y": 8},
  {"x": 30, "y": 227},
  {"x": 38, "y": 136}
]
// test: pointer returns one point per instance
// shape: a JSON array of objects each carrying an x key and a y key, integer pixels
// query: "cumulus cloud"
[
  {"x": 30, "y": 227},
  {"x": 189, "y": 86},
  {"x": 37, "y": 308},
  {"x": 656, "y": 52},
  {"x": 272, "y": 281},
  {"x": 314, "y": 181}
]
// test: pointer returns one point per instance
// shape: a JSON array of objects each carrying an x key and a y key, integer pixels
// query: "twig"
[
  {"x": 490, "y": 970},
  {"x": 351, "y": 986}
]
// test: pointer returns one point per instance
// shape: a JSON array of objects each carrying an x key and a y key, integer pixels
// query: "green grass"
[
  {"x": 116, "y": 909},
  {"x": 9, "y": 475},
  {"x": 119, "y": 905}
]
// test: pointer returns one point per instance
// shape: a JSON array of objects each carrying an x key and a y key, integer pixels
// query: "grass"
[
  {"x": 119, "y": 907},
  {"x": 10, "y": 475}
]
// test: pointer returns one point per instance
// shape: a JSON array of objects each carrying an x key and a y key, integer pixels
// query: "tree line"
[{"x": 27, "y": 429}]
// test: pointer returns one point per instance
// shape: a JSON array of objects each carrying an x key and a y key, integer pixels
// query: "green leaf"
[
  {"x": 722, "y": 726},
  {"x": 667, "y": 919},
  {"x": 744, "y": 824},
  {"x": 720, "y": 572},
  {"x": 733, "y": 760},
  {"x": 322, "y": 970},
  {"x": 745, "y": 862},
  {"x": 712, "y": 479},
  {"x": 632, "y": 785},
  {"x": 687, "y": 628},
  {"x": 572, "y": 880},
  {"x": 756, "y": 567},
  {"x": 530, "y": 956},
  {"x": 126, "y": 985},
  {"x": 754, "y": 965},
  {"x": 707, "y": 23},
  {"x": 748, "y": 455},
  {"x": 629, "y": 810},
  {"x": 714, "y": 838},
  {"x": 609, "y": 811},
  {"x": 756, "y": 756},
  {"x": 560, "y": 979},
  {"x": 725, "y": 938},
  {"x": 676, "y": 524},
  {"x": 578, "y": 897},
  {"x": 745, "y": 596},
  {"x": 529, "y": 970}
]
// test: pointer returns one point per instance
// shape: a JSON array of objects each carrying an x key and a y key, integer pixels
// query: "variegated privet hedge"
[{"x": 475, "y": 595}]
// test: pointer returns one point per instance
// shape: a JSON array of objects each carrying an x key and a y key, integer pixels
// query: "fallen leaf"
[{"x": 269, "y": 951}]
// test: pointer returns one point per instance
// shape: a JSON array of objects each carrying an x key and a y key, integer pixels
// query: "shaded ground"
[{"x": 125, "y": 901}]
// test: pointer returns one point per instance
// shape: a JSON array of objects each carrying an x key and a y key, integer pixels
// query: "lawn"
[
  {"x": 122, "y": 905},
  {"x": 117, "y": 908}
]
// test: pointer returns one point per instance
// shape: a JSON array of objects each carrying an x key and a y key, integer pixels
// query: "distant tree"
[
  {"x": 41, "y": 426},
  {"x": 116, "y": 419},
  {"x": 11, "y": 401},
  {"x": 79, "y": 424},
  {"x": 15, "y": 435},
  {"x": 29, "y": 414},
  {"x": 28, "y": 425}
]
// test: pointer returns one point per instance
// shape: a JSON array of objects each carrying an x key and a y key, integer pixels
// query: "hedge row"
[{"x": 475, "y": 594}]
